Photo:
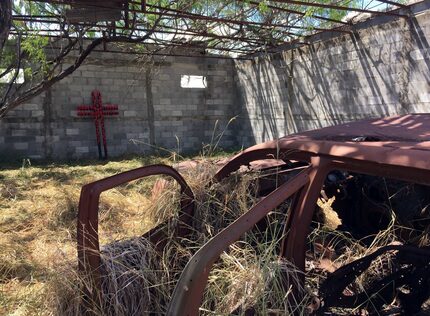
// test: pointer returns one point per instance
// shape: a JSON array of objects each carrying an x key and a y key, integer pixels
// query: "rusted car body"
[{"x": 395, "y": 147}]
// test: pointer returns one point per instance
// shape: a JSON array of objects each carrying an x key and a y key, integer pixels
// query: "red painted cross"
[{"x": 98, "y": 111}]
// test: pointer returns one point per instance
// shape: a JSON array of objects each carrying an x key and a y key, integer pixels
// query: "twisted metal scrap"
[{"x": 413, "y": 273}]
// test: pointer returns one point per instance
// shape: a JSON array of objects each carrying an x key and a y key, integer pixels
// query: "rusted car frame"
[
  {"x": 87, "y": 235},
  {"x": 396, "y": 147}
]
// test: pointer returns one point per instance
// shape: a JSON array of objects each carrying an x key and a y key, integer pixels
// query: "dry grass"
[
  {"x": 38, "y": 241},
  {"x": 38, "y": 208},
  {"x": 139, "y": 280}
]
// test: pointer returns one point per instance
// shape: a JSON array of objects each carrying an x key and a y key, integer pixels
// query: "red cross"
[{"x": 98, "y": 111}]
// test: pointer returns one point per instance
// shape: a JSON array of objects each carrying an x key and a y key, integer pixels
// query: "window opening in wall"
[
  {"x": 189, "y": 81},
  {"x": 6, "y": 78}
]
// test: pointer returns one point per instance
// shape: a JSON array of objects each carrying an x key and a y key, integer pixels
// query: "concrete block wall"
[
  {"x": 22, "y": 134},
  {"x": 186, "y": 118},
  {"x": 380, "y": 69},
  {"x": 183, "y": 119}
]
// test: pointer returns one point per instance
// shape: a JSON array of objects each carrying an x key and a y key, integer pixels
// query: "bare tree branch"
[
  {"x": 8, "y": 104},
  {"x": 16, "y": 72}
]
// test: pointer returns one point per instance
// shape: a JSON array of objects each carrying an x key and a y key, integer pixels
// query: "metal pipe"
[{"x": 336, "y": 7}]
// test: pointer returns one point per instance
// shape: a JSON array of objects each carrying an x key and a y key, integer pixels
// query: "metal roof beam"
[
  {"x": 184, "y": 33},
  {"x": 336, "y": 7},
  {"x": 295, "y": 12}
]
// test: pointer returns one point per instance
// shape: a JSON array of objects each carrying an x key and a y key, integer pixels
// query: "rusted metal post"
[{"x": 293, "y": 247}]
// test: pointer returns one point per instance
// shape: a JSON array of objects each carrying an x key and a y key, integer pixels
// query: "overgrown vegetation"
[
  {"x": 38, "y": 225},
  {"x": 38, "y": 261}
]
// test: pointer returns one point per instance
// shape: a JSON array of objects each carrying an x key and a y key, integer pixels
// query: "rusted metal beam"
[
  {"x": 300, "y": 218},
  {"x": 166, "y": 11},
  {"x": 183, "y": 14},
  {"x": 194, "y": 16},
  {"x": 161, "y": 44},
  {"x": 319, "y": 17},
  {"x": 161, "y": 53},
  {"x": 337, "y": 7},
  {"x": 223, "y": 20},
  {"x": 400, "y": 5},
  {"x": 26, "y": 18},
  {"x": 167, "y": 43}
]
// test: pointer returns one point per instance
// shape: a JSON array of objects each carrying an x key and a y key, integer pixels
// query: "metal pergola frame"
[{"x": 260, "y": 34}]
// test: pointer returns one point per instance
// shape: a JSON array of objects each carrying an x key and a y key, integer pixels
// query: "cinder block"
[
  {"x": 31, "y": 106},
  {"x": 130, "y": 113},
  {"x": 72, "y": 131},
  {"x": 19, "y": 132},
  {"x": 82, "y": 150},
  {"x": 74, "y": 87},
  {"x": 221, "y": 73},
  {"x": 424, "y": 97},
  {"x": 20, "y": 146},
  {"x": 37, "y": 113},
  {"x": 35, "y": 156},
  {"x": 165, "y": 77},
  {"x": 132, "y": 82},
  {"x": 94, "y": 82},
  {"x": 179, "y": 123},
  {"x": 374, "y": 100},
  {"x": 131, "y": 135},
  {"x": 75, "y": 143},
  {"x": 107, "y": 81},
  {"x": 74, "y": 113},
  {"x": 91, "y": 74},
  {"x": 138, "y": 94},
  {"x": 419, "y": 54},
  {"x": 39, "y": 139}
]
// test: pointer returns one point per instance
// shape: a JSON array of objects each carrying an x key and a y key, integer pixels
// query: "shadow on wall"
[{"x": 377, "y": 71}]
